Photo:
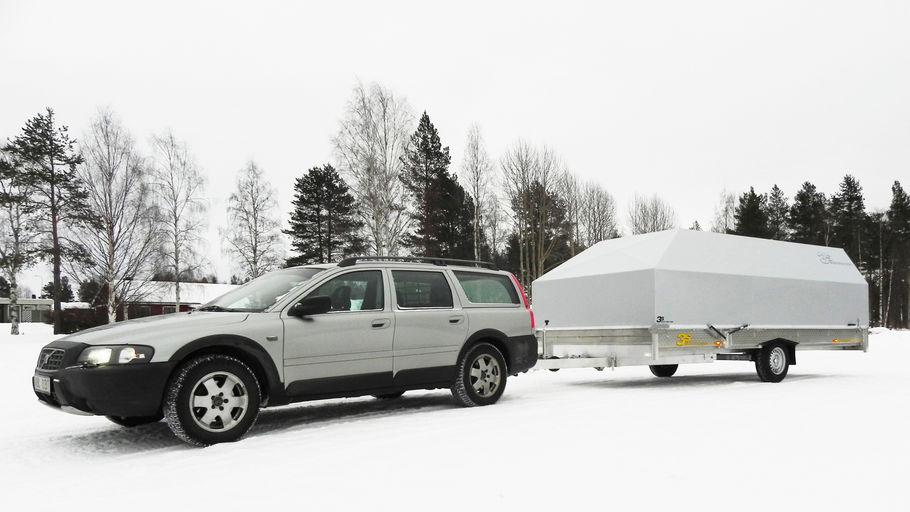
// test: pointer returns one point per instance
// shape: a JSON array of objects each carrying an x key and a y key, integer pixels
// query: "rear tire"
[
  {"x": 772, "y": 363},
  {"x": 212, "y": 399},
  {"x": 663, "y": 370},
  {"x": 481, "y": 376},
  {"x": 135, "y": 421}
]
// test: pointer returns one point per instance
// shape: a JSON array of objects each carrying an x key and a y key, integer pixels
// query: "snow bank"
[
  {"x": 29, "y": 332},
  {"x": 833, "y": 436},
  {"x": 75, "y": 305}
]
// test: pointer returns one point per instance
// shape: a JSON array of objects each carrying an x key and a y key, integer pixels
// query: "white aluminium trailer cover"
[{"x": 693, "y": 278}]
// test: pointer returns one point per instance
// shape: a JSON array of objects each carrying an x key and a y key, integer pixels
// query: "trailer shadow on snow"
[{"x": 692, "y": 381}]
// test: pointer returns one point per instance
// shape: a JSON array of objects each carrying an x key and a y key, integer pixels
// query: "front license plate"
[{"x": 42, "y": 384}]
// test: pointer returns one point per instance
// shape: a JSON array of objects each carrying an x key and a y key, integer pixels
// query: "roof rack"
[{"x": 347, "y": 262}]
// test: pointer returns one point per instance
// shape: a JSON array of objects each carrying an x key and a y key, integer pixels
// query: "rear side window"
[
  {"x": 414, "y": 289},
  {"x": 487, "y": 288}
]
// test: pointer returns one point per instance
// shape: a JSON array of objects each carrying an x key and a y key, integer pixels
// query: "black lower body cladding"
[
  {"x": 119, "y": 390},
  {"x": 522, "y": 353}
]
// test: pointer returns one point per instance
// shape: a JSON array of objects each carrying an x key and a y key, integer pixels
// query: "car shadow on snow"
[
  {"x": 118, "y": 440},
  {"x": 346, "y": 410},
  {"x": 690, "y": 381}
]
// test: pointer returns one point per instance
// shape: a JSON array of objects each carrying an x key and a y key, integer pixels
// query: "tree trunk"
[
  {"x": 881, "y": 278},
  {"x": 13, "y": 307},
  {"x": 58, "y": 325},
  {"x": 176, "y": 268},
  {"x": 111, "y": 304},
  {"x": 888, "y": 301}
]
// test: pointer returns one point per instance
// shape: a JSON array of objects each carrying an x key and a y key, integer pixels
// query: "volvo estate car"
[{"x": 367, "y": 326}]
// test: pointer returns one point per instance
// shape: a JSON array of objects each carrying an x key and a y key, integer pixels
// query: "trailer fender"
[{"x": 791, "y": 349}]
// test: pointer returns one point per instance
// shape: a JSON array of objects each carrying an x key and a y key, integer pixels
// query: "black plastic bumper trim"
[{"x": 116, "y": 390}]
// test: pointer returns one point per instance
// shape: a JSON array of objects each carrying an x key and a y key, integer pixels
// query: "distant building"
[
  {"x": 159, "y": 297},
  {"x": 30, "y": 310}
]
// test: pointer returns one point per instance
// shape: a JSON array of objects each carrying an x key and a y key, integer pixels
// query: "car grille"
[{"x": 50, "y": 359}]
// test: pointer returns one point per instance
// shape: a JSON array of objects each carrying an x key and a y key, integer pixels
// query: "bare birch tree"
[
  {"x": 19, "y": 232},
  {"x": 477, "y": 174},
  {"x": 370, "y": 144},
  {"x": 649, "y": 214},
  {"x": 178, "y": 186},
  {"x": 254, "y": 236},
  {"x": 532, "y": 179},
  {"x": 495, "y": 222},
  {"x": 570, "y": 190},
  {"x": 597, "y": 217},
  {"x": 120, "y": 250},
  {"x": 724, "y": 219}
]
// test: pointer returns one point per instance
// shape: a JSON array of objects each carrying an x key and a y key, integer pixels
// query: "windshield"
[{"x": 261, "y": 293}]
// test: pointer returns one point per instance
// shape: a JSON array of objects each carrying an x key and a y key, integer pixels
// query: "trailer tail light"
[{"x": 523, "y": 297}]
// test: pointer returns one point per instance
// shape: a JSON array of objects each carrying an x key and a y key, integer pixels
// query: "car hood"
[{"x": 153, "y": 330}]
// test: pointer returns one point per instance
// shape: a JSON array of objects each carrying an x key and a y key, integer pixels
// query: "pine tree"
[
  {"x": 897, "y": 297},
  {"x": 49, "y": 160},
  {"x": 778, "y": 212},
  {"x": 442, "y": 213},
  {"x": 848, "y": 213},
  {"x": 456, "y": 234},
  {"x": 695, "y": 226},
  {"x": 808, "y": 219},
  {"x": 66, "y": 291},
  {"x": 750, "y": 217},
  {"x": 323, "y": 225}
]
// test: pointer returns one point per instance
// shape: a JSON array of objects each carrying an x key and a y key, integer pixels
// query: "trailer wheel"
[
  {"x": 663, "y": 370},
  {"x": 772, "y": 362}
]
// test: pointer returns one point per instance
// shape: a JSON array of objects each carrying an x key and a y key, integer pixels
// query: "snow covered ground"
[{"x": 832, "y": 436}]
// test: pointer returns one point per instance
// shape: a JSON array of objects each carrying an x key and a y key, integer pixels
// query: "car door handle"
[
  {"x": 455, "y": 320},
  {"x": 380, "y": 323}
]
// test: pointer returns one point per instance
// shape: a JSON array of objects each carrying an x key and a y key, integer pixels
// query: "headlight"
[{"x": 118, "y": 354}]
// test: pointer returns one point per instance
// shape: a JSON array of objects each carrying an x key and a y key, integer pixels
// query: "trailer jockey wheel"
[
  {"x": 663, "y": 370},
  {"x": 772, "y": 362}
]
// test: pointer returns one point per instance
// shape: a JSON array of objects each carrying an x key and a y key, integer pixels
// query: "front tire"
[
  {"x": 481, "y": 376},
  {"x": 772, "y": 363},
  {"x": 212, "y": 399}
]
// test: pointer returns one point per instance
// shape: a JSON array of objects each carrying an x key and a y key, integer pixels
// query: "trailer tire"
[
  {"x": 772, "y": 362},
  {"x": 663, "y": 370},
  {"x": 481, "y": 376}
]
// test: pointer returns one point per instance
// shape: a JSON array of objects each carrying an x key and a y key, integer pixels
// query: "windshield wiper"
[{"x": 214, "y": 308}]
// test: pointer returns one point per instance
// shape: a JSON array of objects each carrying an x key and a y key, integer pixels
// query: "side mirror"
[{"x": 315, "y": 305}]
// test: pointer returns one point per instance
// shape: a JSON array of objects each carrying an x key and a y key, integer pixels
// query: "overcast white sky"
[{"x": 682, "y": 99}]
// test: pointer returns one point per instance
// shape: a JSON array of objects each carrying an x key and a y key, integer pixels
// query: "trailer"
[{"x": 676, "y": 297}]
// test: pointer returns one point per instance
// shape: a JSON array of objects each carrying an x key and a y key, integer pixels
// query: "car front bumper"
[{"x": 117, "y": 390}]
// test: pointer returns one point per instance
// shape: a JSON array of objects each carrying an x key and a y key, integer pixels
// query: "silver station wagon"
[{"x": 367, "y": 326}]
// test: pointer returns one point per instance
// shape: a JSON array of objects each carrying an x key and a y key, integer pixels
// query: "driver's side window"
[{"x": 354, "y": 291}]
